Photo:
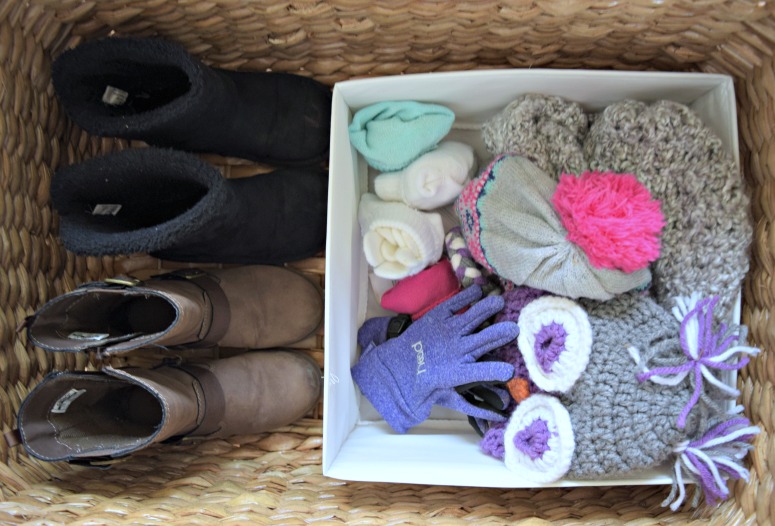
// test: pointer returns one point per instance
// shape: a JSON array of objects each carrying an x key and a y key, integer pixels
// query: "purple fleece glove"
[
  {"x": 373, "y": 331},
  {"x": 405, "y": 376}
]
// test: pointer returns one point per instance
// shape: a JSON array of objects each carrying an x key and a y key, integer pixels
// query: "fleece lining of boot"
[
  {"x": 150, "y": 88},
  {"x": 165, "y": 196},
  {"x": 155, "y": 75}
]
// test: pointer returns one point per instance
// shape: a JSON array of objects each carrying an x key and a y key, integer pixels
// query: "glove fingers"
[
  {"x": 486, "y": 395},
  {"x": 462, "y": 299},
  {"x": 476, "y": 373},
  {"x": 454, "y": 401},
  {"x": 488, "y": 339},
  {"x": 472, "y": 318},
  {"x": 373, "y": 330}
]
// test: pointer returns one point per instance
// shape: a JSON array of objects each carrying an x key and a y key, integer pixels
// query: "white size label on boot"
[
  {"x": 105, "y": 210},
  {"x": 114, "y": 96},
  {"x": 61, "y": 405}
]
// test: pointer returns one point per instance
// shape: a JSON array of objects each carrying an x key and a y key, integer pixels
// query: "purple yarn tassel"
[
  {"x": 712, "y": 460},
  {"x": 704, "y": 350}
]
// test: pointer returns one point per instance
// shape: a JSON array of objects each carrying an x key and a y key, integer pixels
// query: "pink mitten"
[{"x": 418, "y": 294}]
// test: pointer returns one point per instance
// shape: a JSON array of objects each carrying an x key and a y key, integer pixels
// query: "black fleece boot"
[
  {"x": 175, "y": 206},
  {"x": 153, "y": 90}
]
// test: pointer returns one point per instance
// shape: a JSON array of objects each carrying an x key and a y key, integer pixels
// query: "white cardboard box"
[{"x": 357, "y": 443}]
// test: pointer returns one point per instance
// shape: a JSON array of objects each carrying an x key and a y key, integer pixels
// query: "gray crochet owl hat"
[
  {"x": 637, "y": 404},
  {"x": 611, "y": 423},
  {"x": 684, "y": 165}
]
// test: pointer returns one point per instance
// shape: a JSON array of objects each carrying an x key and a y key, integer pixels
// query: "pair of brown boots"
[{"x": 95, "y": 417}]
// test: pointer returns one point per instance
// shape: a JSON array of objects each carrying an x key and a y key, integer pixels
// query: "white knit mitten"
[
  {"x": 431, "y": 181},
  {"x": 398, "y": 241}
]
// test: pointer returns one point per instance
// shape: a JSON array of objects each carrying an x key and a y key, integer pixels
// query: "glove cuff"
[{"x": 379, "y": 386}]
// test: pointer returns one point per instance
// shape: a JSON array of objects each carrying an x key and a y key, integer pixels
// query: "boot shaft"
[{"x": 255, "y": 307}]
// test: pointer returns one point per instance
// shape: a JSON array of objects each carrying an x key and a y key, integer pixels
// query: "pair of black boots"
[{"x": 167, "y": 202}]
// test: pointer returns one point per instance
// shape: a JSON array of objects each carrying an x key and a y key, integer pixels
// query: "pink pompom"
[{"x": 612, "y": 217}]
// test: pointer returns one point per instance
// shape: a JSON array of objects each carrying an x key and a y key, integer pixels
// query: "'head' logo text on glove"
[{"x": 420, "y": 355}]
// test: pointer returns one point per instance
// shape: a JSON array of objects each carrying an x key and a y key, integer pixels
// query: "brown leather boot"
[
  {"x": 89, "y": 417},
  {"x": 252, "y": 307}
]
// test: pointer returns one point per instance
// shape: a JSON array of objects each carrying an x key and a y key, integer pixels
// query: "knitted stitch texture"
[
  {"x": 555, "y": 339},
  {"x": 684, "y": 165},
  {"x": 548, "y": 130},
  {"x": 622, "y": 425},
  {"x": 512, "y": 230},
  {"x": 516, "y": 299}
]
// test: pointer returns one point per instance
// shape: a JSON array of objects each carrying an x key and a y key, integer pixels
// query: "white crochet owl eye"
[
  {"x": 538, "y": 441},
  {"x": 555, "y": 338}
]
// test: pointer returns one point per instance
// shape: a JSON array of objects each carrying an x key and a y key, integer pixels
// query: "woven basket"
[{"x": 276, "y": 477}]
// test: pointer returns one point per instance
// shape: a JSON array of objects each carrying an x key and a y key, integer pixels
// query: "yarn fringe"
[
  {"x": 704, "y": 348},
  {"x": 711, "y": 461}
]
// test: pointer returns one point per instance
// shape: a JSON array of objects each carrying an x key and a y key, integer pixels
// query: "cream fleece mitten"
[
  {"x": 433, "y": 180},
  {"x": 398, "y": 241}
]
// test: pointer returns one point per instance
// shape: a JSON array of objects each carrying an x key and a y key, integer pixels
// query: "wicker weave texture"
[{"x": 276, "y": 477}]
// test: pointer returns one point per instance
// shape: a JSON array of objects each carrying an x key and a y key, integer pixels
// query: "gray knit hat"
[
  {"x": 548, "y": 130},
  {"x": 684, "y": 165},
  {"x": 511, "y": 229}
]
